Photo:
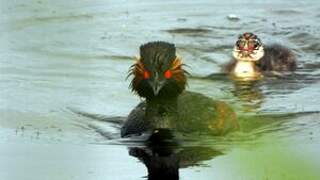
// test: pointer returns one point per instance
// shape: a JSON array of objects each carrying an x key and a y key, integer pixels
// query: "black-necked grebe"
[{"x": 159, "y": 77}]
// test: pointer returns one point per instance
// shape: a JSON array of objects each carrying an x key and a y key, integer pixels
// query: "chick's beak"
[{"x": 245, "y": 53}]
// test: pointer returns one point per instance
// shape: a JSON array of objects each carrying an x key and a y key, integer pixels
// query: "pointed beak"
[
  {"x": 245, "y": 53},
  {"x": 157, "y": 85}
]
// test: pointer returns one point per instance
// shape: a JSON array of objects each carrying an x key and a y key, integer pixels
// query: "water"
[{"x": 61, "y": 57}]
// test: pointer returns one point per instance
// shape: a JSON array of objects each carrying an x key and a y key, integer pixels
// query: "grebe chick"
[
  {"x": 159, "y": 78},
  {"x": 252, "y": 58}
]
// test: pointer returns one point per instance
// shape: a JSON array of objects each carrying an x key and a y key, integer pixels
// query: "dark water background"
[{"x": 60, "y": 56}]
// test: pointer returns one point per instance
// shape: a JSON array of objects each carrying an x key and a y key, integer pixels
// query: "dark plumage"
[
  {"x": 158, "y": 77},
  {"x": 157, "y": 55},
  {"x": 277, "y": 58}
]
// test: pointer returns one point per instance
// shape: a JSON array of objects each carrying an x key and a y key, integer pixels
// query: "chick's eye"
[
  {"x": 238, "y": 43},
  {"x": 146, "y": 75},
  {"x": 167, "y": 74},
  {"x": 257, "y": 44}
]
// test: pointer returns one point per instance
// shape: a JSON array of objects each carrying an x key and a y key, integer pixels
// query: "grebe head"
[
  {"x": 158, "y": 71},
  {"x": 248, "y": 48}
]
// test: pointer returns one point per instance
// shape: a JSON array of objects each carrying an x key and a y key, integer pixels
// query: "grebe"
[
  {"x": 252, "y": 58},
  {"x": 159, "y": 78}
]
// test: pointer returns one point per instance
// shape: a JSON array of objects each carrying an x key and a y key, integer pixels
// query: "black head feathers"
[{"x": 158, "y": 55}]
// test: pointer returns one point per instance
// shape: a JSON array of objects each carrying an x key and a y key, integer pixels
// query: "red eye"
[
  {"x": 168, "y": 74},
  {"x": 146, "y": 75}
]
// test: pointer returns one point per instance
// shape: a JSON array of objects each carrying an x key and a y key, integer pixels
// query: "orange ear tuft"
[{"x": 176, "y": 63}]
